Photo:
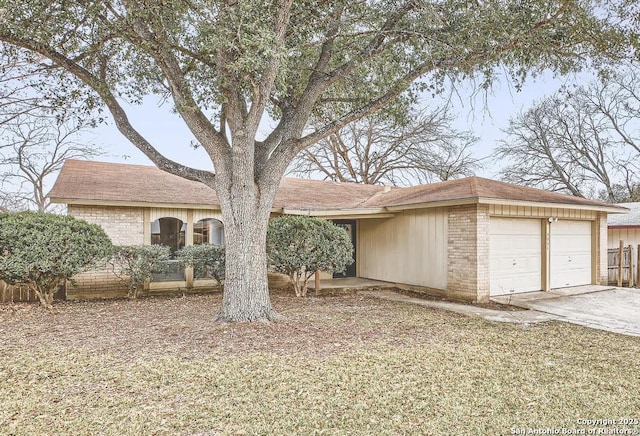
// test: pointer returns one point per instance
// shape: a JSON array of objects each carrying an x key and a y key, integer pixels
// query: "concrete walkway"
[{"x": 513, "y": 316}]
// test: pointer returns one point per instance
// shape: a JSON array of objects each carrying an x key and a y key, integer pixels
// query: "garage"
[
  {"x": 570, "y": 253},
  {"x": 515, "y": 249}
]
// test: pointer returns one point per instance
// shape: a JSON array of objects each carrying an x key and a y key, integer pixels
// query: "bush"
[
  {"x": 134, "y": 265},
  {"x": 43, "y": 250},
  {"x": 205, "y": 259},
  {"x": 299, "y": 246}
]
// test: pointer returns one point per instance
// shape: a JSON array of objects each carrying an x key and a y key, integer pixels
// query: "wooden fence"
[
  {"x": 16, "y": 293},
  {"x": 623, "y": 265}
]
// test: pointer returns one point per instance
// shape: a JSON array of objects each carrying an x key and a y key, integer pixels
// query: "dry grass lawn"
[{"x": 337, "y": 365}]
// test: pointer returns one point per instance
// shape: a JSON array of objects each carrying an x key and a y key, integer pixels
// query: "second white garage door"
[
  {"x": 515, "y": 255},
  {"x": 570, "y": 253}
]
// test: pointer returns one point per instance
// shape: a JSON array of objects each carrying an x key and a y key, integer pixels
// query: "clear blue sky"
[{"x": 485, "y": 114}]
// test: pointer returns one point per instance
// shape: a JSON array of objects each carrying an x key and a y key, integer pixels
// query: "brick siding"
[
  {"x": 468, "y": 252},
  {"x": 124, "y": 225},
  {"x": 601, "y": 254}
]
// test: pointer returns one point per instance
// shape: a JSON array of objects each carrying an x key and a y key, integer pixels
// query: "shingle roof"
[
  {"x": 100, "y": 182},
  {"x": 476, "y": 187},
  {"x": 630, "y": 219}
]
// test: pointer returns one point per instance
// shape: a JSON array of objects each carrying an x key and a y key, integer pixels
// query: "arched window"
[
  {"x": 208, "y": 231},
  {"x": 169, "y": 232}
]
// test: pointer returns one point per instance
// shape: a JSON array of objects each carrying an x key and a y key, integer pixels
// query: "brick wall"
[
  {"x": 124, "y": 225},
  {"x": 97, "y": 283},
  {"x": 468, "y": 252},
  {"x": 601, "y": 254}
]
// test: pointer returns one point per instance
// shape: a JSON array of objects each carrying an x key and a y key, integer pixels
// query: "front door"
[{"x": 350, "y": 227}]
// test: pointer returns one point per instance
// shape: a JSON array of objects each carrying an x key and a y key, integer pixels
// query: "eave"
[
  {"x": 506, "y": 202},
  {"x": 378, "y": 212},
  {"x": 85, "y": 202}
]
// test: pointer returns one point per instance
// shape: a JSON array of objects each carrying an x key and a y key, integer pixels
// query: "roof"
[
  {"x": 89, "y": 182},
  {"x": 631, "y": 219}
]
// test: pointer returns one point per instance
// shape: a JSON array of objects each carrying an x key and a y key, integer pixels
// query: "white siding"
[
  {"x": 199, "y": 214},
  {"x": 629, "y": 236},
  {"x": 157, "y": 213},
  {"x": 540, "y": 212},
  {"x": 410, "y": 248}
]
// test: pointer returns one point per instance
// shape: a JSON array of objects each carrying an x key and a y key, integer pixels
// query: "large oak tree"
[{"x": 225, "y": 65}]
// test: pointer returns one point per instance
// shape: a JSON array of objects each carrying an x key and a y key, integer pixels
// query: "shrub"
[
  {"x": 205, "y": 259},
  {"x": 133, "y": 265},
  {"x": 299, "y": 246},
  {"x": 43, "y": 250}
]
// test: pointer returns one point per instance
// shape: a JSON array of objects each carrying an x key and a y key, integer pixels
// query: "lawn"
[{"x": 337, "y": 365}]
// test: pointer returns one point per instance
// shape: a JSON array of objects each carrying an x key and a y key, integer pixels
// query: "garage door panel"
[
  {"x": 515, "y": 255},
  {"x": 570, "y": 253}
]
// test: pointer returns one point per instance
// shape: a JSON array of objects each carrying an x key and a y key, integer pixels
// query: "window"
[
  {"x": 208, "y": 231},
  {"x": 169, "y": 232}
]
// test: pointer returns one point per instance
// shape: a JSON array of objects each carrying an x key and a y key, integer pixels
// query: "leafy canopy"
[
  {"x": 43, "y": 250},
  {"x": 339, "y": 60},
  {"x": 298, "y": 246}
]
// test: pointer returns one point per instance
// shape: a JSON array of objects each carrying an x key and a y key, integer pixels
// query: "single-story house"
[{"x": 468, "y": 239}]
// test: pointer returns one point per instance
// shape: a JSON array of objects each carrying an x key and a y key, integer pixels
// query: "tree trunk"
[{"x": 246, "y": 290}]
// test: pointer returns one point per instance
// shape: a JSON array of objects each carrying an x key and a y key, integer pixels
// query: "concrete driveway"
[{"x": 599, "y": 307}]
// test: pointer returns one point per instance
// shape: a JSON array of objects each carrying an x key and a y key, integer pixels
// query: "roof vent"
[{"x": 386, "y": 189}]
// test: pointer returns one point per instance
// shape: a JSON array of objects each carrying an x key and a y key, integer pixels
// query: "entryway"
[{"x": 350, "y": 227}]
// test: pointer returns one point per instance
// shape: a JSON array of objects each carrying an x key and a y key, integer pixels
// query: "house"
[
  {"x": 468, "y": 239},
  {"x": 625, "y": 227}
]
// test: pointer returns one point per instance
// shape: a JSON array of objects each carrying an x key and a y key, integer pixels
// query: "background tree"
[
  {"x": 583, "y": 141},
  {"x": 33, "y": 147},
  {"x": 225, "y": 66},
  {"x": 42, "y": 251},
  {"x": 298, "y": 246},
  {"x": 380, "y": 149},
  {"x": 134, "y": 265}
]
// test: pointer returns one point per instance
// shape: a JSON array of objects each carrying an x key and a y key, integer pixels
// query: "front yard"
[{"x": 337, "y": 365}]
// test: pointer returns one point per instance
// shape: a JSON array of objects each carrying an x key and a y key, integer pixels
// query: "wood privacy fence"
[{"x": 623, "y": 265}]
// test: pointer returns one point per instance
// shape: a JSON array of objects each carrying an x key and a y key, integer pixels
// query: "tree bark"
[{"x": 246, "y": 208}]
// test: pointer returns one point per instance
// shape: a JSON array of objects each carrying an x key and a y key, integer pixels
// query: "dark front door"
[{"x": 350, "y": 227}]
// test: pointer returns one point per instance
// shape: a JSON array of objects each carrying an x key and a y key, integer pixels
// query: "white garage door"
[
  {"x": 570, "y": 253},
  {"x": 515, "y": 249}
]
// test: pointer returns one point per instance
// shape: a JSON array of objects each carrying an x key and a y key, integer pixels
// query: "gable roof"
[
  {"x": 89, "y": 182},
  {"x": 632, "y": 219}
]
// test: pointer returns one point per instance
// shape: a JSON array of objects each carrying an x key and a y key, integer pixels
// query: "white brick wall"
[
  {"x": 124, "y": 225},
  {"x": 601, "y": 261}
]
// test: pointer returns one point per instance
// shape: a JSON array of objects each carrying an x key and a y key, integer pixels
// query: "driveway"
[{"x": 605, "y": 308}]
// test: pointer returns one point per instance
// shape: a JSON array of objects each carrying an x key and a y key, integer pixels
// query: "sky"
[{"x": 485, "y": 114}]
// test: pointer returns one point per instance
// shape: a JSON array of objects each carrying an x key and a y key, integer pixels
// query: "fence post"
[
  {"x": 638, "y": 266},
  {"x": 631, "y": 266},
  {"x": 620, "y": 262}
]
